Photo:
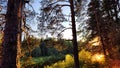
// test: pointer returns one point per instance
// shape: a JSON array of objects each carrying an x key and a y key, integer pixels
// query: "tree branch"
[{"x": 64, "y": 30}]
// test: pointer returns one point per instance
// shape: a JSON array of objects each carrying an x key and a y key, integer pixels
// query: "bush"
[
  {"x": 36, "y": 52},
  {"x": 84, "y": 55},
  {"x": 40, "y": 62},
  {"x": 67, "y": 63}
]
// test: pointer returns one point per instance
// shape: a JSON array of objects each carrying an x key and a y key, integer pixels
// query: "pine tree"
[
  {"x": 52, "y": 18},
  {"x": 103, "y": 21},
  {"x": 11, "y": 44}
]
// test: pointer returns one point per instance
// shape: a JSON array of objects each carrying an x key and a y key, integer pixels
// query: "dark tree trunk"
[
  {"x": 11, "y": 34},
  {"x": 100, "y": 33},
  {"x": 76, "y": 59}
]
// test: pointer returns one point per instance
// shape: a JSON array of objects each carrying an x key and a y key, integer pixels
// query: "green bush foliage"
[
  {"x": 67, "y": 63},
  {"x": 30, "y": 62},
  {"x": 51, "y": 54},
  {"x": 84, "y": 59},
  {"x": 36, "y": 52}
]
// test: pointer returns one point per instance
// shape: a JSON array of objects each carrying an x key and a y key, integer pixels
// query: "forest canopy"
[{"x": 59, "y": 33}]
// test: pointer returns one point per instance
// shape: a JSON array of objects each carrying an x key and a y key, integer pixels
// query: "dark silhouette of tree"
[
  {"x": 95, "y": 22},
  {"x": 111, "y": 19},
  {"x": 104, "y": 22},
  {"x": 11, "y": 40},
  {"x": 75, "y": 46},
  {"x": 13, "y": 22},
  {"x": 43, "y": 48}
]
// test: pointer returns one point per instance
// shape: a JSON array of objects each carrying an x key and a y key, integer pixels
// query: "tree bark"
[
  {"x": 11, "y": 40},
  {"x": 76, "y": 58}
]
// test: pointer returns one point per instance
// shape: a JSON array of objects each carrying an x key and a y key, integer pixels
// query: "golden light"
[
  {"x": 69, "y": 58},
  {"x": 83, "y": 40},
  {"x": 95, "y": 41},
  {"x": 98, "y": 58}
]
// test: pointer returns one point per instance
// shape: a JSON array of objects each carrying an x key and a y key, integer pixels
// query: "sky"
[{"x": 67, "y": 34}]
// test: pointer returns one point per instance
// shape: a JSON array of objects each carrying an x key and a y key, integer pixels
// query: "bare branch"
[{"x": 64, "y": 30}]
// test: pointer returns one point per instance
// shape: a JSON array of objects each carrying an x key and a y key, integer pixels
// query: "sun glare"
[
  {"x": 95, "y": 41},
  {"x": 98, "y": 58}
]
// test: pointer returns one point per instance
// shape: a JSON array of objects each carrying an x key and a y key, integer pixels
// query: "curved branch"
[
  {"x": 32, "y": 8},
  {"x": 64, "y": 30},
  {"x": 56, "y": 2}
]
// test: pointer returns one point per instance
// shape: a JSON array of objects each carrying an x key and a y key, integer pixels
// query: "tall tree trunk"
[
  {"x": 76, "y": 59},
  {"x": 100, "y": 33},
  {"x": 20, "y": 10},
  {"x": 11, "y": 40}
]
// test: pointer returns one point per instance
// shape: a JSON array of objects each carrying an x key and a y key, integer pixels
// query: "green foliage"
[
  {"x": 67, "y": 63},
  {"x": 30, "y": 62},
  {"x": 28, "y": 45},
  {"x": 56, "y": 58},
  {"x": 53, "y": 54},
  {"x": 52, "y": 51},
  {"x": 84, "y": 59},
  {"x": 49, "y": 47},
  {"x": 26, "y": 61},
  {"x": 36, "y": 52}
]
